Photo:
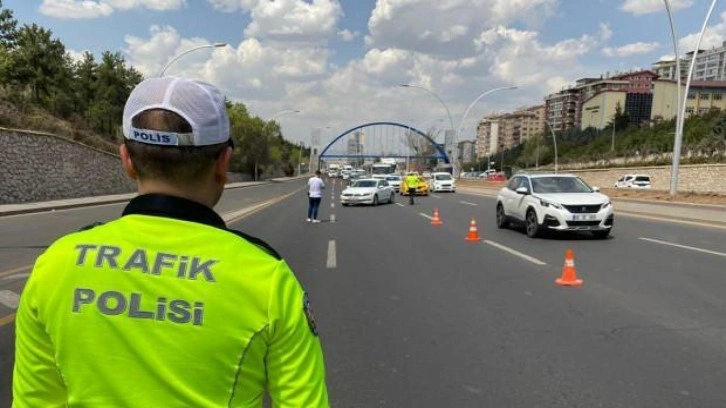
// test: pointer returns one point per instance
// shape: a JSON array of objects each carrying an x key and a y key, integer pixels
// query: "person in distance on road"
[
  {"x": 166, "y": 306},
  {"x": 411, "y": 181},
  {"x": 315, "y": 196}
]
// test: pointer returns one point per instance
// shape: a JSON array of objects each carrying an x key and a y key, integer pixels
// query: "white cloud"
[
  {"x": 347, "y": 35},
  {"x": 229, "y": 6},
  {"x": 76, "y": 56},
  {"x": 640, "y": 7},
  {"x": 294, "y": 20},
  {"x": 630, "y": 49},
  {"x": 714, "y": 36},
  {"x": 86, "y": 9},
  {"x": 409, "y": 24}
]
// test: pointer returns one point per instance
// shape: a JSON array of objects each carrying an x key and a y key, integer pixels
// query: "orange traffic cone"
[
  {"x": 436, "y": 220},
  {"x": 473, "y": 234},
  {"x": 569, "y": 275}
]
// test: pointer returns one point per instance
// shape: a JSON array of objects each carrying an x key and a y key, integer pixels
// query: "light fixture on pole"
[
  {"x": 176, "y": 57},
  {"x": 682, "y": 98}
]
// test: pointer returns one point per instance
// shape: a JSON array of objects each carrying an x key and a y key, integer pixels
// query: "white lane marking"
[
  {"x": 468, "y": 203},
  {"x": 332, "y": 205},
  {"x": 331, "y": 262},
  {"x": 400, "y": 205},
  {"x": 426, "y": 216},
  {"x": 332, "y": 217},
  {"x": 17, "y": 276},
  {"x": 705, "y": 251},
  {"x": 515, "y": 253},
  {"x": 9, "y": 298},
  {"x": 435, "y": 196}
]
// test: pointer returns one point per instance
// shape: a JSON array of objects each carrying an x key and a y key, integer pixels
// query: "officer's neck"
[{"x": 204, "y": 195}]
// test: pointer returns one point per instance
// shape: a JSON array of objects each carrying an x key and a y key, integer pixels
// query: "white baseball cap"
[{"x": 201, "y": 104}]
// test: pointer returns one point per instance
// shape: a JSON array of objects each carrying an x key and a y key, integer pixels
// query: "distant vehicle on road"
[
  {"x": 554, "y": 202},
  {"x": 633, "y": 181},
  {"x": 395, "y": 182},
  {"x": 333, "y": 170},
  {"x": 368, "y": 191},
  {"x": 442, "y": 182},
  {"x": 383, "y": 169},
  {"x": 357, "y": 174},
  {"x": 422, "y": 189}
]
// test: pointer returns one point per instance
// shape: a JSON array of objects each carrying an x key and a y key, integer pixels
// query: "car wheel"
[
  {"x": 392, "y": 199},
  {"x": 601, "y": 234},
  {"x": 501, "y": 217},
  {"x": 375, "y": 200},
  {"x": 533, "y": 228}
]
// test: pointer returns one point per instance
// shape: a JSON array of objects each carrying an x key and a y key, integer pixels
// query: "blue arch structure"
[{"x": 442, "y": 152}]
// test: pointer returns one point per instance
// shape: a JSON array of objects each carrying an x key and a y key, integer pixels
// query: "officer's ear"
[
  {"x": 126, "y": 162},
  {"x": 221, "y": 166}
]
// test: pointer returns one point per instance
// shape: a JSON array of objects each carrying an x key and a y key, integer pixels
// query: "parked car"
[
  {"x": 633, "y": 181},
  {"x": 442, "y": 182},
  {"x": 554, "y": 202},
  {"x": 368, "y": 191}
]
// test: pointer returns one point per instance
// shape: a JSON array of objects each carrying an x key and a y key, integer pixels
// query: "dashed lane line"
[
  {"x": 435, "y": 196},
  {"x": 10, "y": 299},
  {"x": 17, "y": 276},
  {"x": 515, "y": 253},
  {"x": 331, "y": 262},
  {"x": 690, "y": 248},
  {"x": 468, "y": 203},
  {"x": 426, "y": 216},
  {"x": 400, "y": 205}
]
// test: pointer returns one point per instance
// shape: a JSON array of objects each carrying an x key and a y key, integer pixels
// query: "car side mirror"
[
  {"x": 596, "y": 189},
  {"x": 522, "y": 190}
]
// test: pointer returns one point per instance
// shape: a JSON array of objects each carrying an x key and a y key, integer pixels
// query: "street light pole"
[
  {"x": 276, "y": 115},
  {"x": 682, "y": 99},
  {"x": 176, "y": 57},
  {"x": 478, "y": 98}
]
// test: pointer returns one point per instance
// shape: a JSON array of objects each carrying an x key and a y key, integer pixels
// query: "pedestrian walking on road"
[
  {"x": 166, "y": 306},
  {"x": 315, "y": 196},
  {"x": 412, "y": 182}
]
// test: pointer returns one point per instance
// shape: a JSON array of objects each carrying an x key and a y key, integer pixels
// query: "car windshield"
[
  {"x": 443, "y": 177},
  {"x": 393, "y": 178},
  {"x": 548, "y": 185},
  {"x": 642, "y": 178},
  {"x": 365, "y": 183}
]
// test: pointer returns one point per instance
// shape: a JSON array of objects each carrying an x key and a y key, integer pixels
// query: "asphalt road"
[{"x": 413, "y": 315}]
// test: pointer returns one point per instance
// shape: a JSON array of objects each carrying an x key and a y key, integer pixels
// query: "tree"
[{"x": 8, "y": 28}]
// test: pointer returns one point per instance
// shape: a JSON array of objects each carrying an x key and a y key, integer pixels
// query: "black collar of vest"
[{"x": 163, "y": 205}]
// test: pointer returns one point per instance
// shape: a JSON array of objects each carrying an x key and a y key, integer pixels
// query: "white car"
[
  {"x": 368, "y": 191},
  {"x": 442, "y": 182},
  {"x": 395, "y": 181},
  {"x": 633, "y": 181},
  {"x": 554, "y": 202}
]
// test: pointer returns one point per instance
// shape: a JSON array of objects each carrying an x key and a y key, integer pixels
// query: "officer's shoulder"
[{"x": 264, "y": 246}]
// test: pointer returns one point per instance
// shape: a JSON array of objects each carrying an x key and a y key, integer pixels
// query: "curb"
[{"x": 114, "y": 199}]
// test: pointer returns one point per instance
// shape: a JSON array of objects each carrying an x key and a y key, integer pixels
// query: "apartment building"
[
  {"x": 563, "y": 109},
  {"x": 702, "y": 97},
  {"x": 487, "y": 136},
  {"x": 467, "y": 151},
  {"x": 710, "y": 65}
]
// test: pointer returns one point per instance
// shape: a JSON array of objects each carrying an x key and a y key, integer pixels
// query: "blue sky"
[{"x": 339, "y": 61}]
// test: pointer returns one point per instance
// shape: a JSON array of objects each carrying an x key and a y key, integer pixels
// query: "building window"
[
  {"x": 689, "y": 111},
  {"x": 705, "y": 96},
  {"x": 702, "y": 111},
  {"x": 716, "y": 97},
  {"x": 691, "y": 95}
]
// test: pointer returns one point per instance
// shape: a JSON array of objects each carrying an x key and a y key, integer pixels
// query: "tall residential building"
[
  {"x": 710, "y": 65},
  {"x": 702, "y": 97},
  {"x": 467, "y": 151},
  {"x": 533, "y": 121},
  {"x": 563, "y": 109},
  {"x": 487, "y": 133}
]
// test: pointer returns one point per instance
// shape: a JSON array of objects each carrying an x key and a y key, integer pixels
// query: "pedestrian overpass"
[{"x": 368, "y": 143}]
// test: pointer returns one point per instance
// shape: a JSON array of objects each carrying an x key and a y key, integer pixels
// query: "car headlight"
[
  {"x": 606, "y": 205},
  {"x": 550, "y": 204}
]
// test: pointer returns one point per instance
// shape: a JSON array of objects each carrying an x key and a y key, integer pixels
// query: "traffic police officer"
[
  {"x": 412, "y": 182},
  {"x": 165, "y": 306}
]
